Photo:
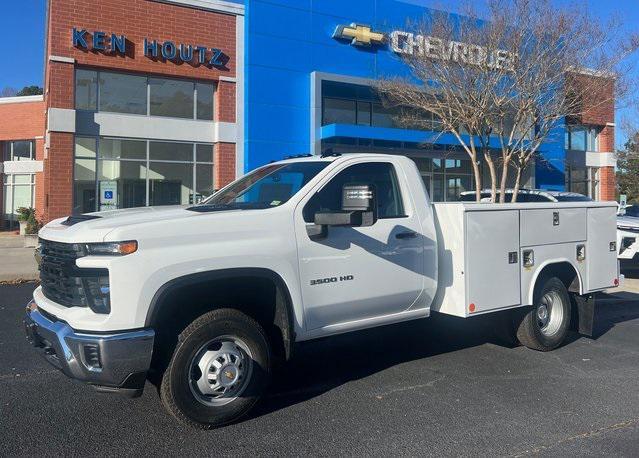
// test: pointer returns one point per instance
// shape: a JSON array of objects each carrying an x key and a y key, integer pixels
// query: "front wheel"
[
  {"x": 218, "y": 371},
  {"x": 545, "y": 327}
]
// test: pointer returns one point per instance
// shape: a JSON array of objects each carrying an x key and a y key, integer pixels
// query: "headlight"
[{"x": 112, "y": 248}]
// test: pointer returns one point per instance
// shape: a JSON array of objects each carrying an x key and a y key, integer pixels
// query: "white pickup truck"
[{"x": 203, "y": 300}]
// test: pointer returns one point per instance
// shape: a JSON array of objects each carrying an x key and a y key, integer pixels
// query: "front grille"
[{"x": 63, "y": 282}]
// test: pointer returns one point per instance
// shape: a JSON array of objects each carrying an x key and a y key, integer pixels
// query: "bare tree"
[
  {"x": 8, "y": 92},
  {"x": 506, "y": 85}
]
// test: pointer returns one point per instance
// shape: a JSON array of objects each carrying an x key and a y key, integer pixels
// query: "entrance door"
[
  {"x": 357, "y": 273},
  {"x": 17, "y": 192}
]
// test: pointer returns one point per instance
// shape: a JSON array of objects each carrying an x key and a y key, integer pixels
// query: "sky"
[{"x": 22, "y": 24}]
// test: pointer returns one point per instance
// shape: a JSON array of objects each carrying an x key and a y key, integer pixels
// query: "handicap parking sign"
[{"x": 108, "y": 194}]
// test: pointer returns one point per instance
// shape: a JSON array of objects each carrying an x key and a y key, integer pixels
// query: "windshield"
[
  {"x": 632, "y": 210},
  {"x": 266, "y": 187}
]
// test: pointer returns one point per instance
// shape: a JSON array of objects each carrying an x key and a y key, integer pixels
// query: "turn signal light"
[
  {"x": 616, "y": 282},
  {"x": 112, "y": 248}
]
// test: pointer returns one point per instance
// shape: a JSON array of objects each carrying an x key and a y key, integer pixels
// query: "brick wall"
[
  {"x": 139, "y": 19},
  {"x": 58, "y": 179},
  {"x": 224, "y": 160},
  {"x": 21, "y": 121}
]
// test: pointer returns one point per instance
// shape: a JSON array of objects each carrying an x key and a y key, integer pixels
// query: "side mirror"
[{"x": 358, "y": 210}]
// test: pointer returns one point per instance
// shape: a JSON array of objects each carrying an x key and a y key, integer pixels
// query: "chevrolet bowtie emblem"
[{"x": 360, "y": 35}]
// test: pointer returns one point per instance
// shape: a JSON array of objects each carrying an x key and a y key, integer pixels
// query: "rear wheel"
[
  {"x": 545, "y": 327},
  {"x": 218, "y": 371}
]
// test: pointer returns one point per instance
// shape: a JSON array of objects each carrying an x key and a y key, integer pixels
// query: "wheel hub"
[
  {"x": 219, "y": 371},
  {"x": 542, "y": 314}
]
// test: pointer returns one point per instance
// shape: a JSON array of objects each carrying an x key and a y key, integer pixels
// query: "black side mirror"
[{"x": 358, "y": 210}]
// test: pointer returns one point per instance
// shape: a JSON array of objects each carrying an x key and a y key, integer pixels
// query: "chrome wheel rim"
[
  {"x": 550, "y": 313},
  {"x": 220, "y": 371}
]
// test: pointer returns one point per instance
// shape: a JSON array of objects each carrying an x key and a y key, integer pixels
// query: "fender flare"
[
  {"x": 545, "y": 264},
  {"x": 221, "y": 274}
]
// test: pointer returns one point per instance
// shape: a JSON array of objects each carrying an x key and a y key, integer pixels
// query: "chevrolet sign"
[{"x": 359, "y": 34}]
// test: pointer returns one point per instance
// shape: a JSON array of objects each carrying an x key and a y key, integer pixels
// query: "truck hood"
[
  {"x": 628, "y": 221},
  {"x": 97, "y": 229}
]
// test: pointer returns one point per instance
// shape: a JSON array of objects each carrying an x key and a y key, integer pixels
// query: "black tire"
[
  {"x": 184, "y": 401},
  {"x": 531, "y": 330}
]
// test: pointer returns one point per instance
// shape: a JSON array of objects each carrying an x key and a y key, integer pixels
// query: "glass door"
[{"x": 18, "y": 192}]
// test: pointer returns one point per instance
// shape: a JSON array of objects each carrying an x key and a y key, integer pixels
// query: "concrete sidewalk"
[{"x": 16, "y": 262}]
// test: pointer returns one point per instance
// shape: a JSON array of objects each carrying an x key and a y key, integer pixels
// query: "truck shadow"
[{"x": 322, "y": 365}]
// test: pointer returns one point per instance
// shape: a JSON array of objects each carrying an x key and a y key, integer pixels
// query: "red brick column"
[
  {"x": 224, "y": 164},
  {"x": 58, "y": 169},
  {"x": 607, "y": 178},
  {"x": 225, "y": 101}
]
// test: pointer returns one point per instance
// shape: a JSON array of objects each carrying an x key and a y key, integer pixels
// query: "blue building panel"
[{"x": 290, "y": 47}]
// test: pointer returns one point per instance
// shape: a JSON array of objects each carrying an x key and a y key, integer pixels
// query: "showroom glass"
[
  {"x": 122, "y": 93},
  {"x": 444, "y": 178},
  {"x": 380, "y": 175},
  {"x": 19, "y": 150},
  {"x": 127, "y": 93},
  {"x": 170, "y": 173},
  {"x": 269, "y": 186},
  {"x": 171, "y": 98},
  {"x": 581, "y": 138}
]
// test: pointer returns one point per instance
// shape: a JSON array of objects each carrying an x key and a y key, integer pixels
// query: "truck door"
[{"x": 356, "y": 273}]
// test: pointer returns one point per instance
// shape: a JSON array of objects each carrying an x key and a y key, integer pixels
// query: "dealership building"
[{"x": 160, "y": 102}]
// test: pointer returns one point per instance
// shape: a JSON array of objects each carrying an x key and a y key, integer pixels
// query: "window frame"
[
  {"x": 97, "y": 160},
  {"x": 194, "y": 83},
  {"x": 8, "y": 148},
  {"x": 400, "y": 186}
]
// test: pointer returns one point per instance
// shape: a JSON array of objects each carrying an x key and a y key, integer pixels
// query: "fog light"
[
  {"x": 92, "y": 356},
  {"x": 528, "y": 258}
]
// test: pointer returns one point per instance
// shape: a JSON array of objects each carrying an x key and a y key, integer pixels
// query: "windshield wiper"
[{"x": 203, "y": 208}]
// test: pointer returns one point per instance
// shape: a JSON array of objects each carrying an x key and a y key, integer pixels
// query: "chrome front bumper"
[{"x": 114, "y": 362}]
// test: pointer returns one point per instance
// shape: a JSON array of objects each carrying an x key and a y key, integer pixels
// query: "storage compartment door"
[
  {"x": 602, "y": 262},
  {"x": 492, "y": 259}
]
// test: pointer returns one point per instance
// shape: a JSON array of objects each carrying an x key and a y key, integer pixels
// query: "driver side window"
[{"x": 381, "y": 175}]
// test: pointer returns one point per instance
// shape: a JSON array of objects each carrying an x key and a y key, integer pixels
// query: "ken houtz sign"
[
  {"x": 169, "y": 50},
  {"x": 412, "y": 44}
]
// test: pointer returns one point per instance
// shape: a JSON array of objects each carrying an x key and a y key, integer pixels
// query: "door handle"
[{"x": 406, "y": 235}]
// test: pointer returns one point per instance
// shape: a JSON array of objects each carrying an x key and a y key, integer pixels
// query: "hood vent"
[{"x": 75, "y": 219}]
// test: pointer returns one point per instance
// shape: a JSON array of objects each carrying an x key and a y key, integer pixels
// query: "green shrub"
[
  {"x": 25, "y": 213},
  {"x": 33, "y": 225}
]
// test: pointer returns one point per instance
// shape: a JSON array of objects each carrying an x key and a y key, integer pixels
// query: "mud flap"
[{"x": 585, "y": 305}]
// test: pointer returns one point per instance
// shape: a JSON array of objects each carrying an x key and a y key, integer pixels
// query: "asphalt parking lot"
[{"x": 429, "y": 387}]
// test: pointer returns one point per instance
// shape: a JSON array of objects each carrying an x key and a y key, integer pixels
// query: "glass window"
[
  {"x": 364, "y": 113},
  {"x": 205, "y": 101},
  {"x": 169, "y": 151},
  {"x": 84, "y": 185},
  {"x": 382, "y": 117},
  {"x": 438, "y": 187},
  {"x": 424, "y": 164},
  {"x": 22, "y": 150},
  {"x": 204, "y": 153},
  {"x": 455, "y": 185},
  {"x": 170, "y": 184},
  {"x": 458, "y": 166},
  {"x": 338, "y": 111},
  {"x": 121, "y": 93},
  {"x": 578, "y": 139},
  {"x": 113, "y": 148},
  {"x": 128, "y": 179},
  {"x": 381, "y": 175},
  {"x": 86, "y": 90},
  {"x": 85, "y": 146},
  {"x": 204, "y": 181},
  {"x": 172, "y": 98}
]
